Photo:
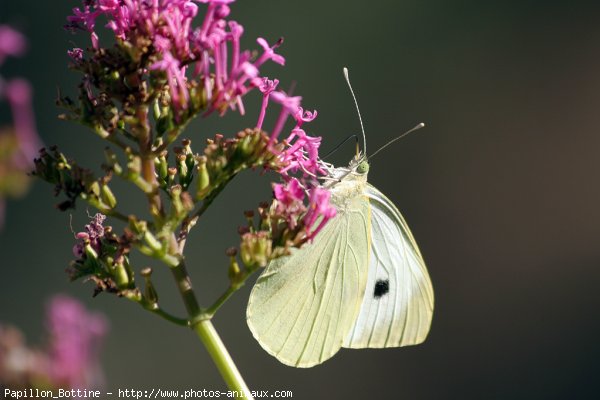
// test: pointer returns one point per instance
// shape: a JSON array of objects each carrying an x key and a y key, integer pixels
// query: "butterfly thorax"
[{"x": 349, "y": 183}]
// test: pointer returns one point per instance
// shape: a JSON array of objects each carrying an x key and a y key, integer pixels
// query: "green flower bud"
[
  {"x": 234, "y": 271},
  {"x": 95, "y": 189},
  {"x": 153, "y": 242},
  {"x": 112, "y": 162},
  {"x": 162, "y": 167},
  {"x": 120, "y": 275},
  {"x": 203, "y": 179},
  {"x": 90, "y": 252},
  {"x": 107, "y": 196},
  {"x": 150, "y": 292}
]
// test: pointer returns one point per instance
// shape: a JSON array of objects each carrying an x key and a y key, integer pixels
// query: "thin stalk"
[
  {"x": 213, "y": 343},
  {"x": 208, "y": 335},
  {"x": 106, "y": 211},
  {"x": 117, "y": 215},
  {"x": 210, "y": 311},
  {"x": 154, "y": 308},
  {"x": 163, "y": 314}
]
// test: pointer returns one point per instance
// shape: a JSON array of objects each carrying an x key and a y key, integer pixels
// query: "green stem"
[
  {"x": 200, "y": 323},
  {"x": 241, "y": 280},
  {"x": 213, "y": 343},
  {"x": 163, "y": 314},
  {"x": 154, "y": 308},
  {"x": 104, "y": 134},
  {"x": 221, "y": 300},
  {"x": 115, "y": 214},
  {"x": 106, "y": 211},
  {"x": 184, "y": 285}
]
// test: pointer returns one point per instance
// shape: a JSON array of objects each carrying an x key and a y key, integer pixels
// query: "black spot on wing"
[{"x": 382, "y": 287}]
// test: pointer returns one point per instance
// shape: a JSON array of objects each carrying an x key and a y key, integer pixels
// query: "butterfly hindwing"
[
  {"x": 303, "y": 305},
  {"x": 398, "y": 304}
]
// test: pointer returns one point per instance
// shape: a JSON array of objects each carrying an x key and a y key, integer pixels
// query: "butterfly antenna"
[
  {"x": 362, "y": 128},
  {"x": 340, "y": 145},
  {"x": 421, "y": 125}
]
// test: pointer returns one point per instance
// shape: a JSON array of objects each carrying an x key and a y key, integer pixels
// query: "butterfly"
[{"x": 361, "y": 283}]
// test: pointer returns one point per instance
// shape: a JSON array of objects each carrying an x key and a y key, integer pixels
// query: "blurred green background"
[{"x": 501, "y": 191}]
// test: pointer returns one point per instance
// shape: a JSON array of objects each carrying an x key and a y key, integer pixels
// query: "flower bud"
[
  {"x": 112, "y": 162},
  {"x": 182, "y": 165},
  {"x": 255, "y": 249},
  {"x": 89, "y": 251},
  {"x": 162, "y": 167},
  {"x": 153, "y": 242},
  {"x": 150, "y": 292},
  {"x": 95, "y": 189},
  {"x": 138, "y": 227},
  {"x": 107, "y": 196},
  {"x": 234, "y": 271},
  {"x": 175, "y": 193},
  {"x": 119, "y": 273},
  {"x": 203, "y": 179}
]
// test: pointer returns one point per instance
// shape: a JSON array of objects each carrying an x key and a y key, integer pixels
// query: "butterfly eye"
[{"x": 363, "y": 167}]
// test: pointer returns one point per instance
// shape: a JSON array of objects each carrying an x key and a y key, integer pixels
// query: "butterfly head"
[
  {"x": 363, "y": 167},
  {"x": 359, "y": 165}
]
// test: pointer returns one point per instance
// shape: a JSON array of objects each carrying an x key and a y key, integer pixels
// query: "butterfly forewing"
[
  {"x": 398, "y": 303},
  {"x": 303, "y": 305}
]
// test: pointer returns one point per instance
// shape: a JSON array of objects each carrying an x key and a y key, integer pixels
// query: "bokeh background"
[{"x": 501, "y": 190}]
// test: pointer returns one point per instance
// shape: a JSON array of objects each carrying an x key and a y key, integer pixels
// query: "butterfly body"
[{"x": 361, "y": 283}]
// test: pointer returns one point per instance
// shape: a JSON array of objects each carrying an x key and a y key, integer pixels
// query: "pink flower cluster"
[
  {"x": 75, "y": 339},
  {"x": 17, "y": 93},
  {"x": 210, "y": 52},
  {"x": 302, "y": 166},
  {"x": 72, "y": 356}
]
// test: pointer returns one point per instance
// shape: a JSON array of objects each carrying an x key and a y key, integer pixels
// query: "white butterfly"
[{"x": 361, "y": 283}]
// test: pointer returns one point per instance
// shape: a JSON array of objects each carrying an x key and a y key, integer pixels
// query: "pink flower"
[
  {"x": 290, "y": 197},
  {"x": 75, "y": 343},
  {"x": 215, "y": 1},
  {"x": 289, "y": 105},
  {"x": 71, "y": 359},
  {"x": 76, "y": 54},
  {"x": 235, "y": 33},
  {"x": 12, "y": 43},
  {"x": 269, "y": 53},
  {"x": 17, "y": 92},
  {"x": 302, "y": 166},
  {"x": 222, "y": 67},
  {"x": 85, "y": 19},
  {"x": 304, "y": 116},
  {"x": 266, "y": 86},
  {"x": 175, "y": 78},
  {"x": 108, "y": 5},
  {"x": 319, "y": 210},
  {"x": 302, "y": 155},
  {"x": 224, "y": 73},
  {"x": 18, "y": 95}
]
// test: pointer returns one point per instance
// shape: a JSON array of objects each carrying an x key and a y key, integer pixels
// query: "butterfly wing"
[
  {"x": 303, "y": 305},
  {"x": 398, "y": 304}
]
